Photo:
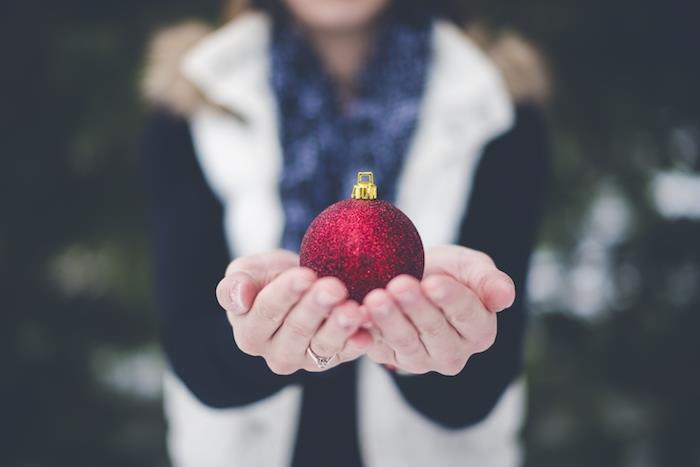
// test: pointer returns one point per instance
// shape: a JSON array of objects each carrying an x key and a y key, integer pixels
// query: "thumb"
[
  {"x": 247, "y": 275},
  {"x": 237, "y": 291}
]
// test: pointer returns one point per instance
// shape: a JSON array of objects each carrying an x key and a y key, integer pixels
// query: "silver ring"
[{"x": 321, "y": 362}]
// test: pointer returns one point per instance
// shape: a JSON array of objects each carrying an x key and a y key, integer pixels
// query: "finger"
[
  {"x": 439, "y": 337},
  {"x": 342, "y": 323},
  {"x": 236, "y": 292},
  {"x": 382, "y": 354},
  {"x": 379, "y": 352},
  {"x": 463, "y": 310},
  {"x": 476, "y": 270},
  {"x": 397, "y": 331},
  {"x": 247, "y": 275},
  {"x": 294, "y": 335},
  {"x": 273, "y": 303},
  {"x": 264, "y": 266},
  {"x": 362, "y": 340},
  {"x": 357, "y": 345}
]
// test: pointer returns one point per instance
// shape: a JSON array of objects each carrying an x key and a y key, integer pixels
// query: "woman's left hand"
[{"x": 438, "y": 323}]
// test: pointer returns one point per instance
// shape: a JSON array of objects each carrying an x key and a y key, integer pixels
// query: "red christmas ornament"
[{"x": 363, "y": 241}]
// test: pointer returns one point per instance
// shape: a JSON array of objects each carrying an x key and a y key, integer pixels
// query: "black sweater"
[{"x": 191, "y": 254}]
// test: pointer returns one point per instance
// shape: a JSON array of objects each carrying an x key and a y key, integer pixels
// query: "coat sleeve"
[
  {"x": 502, "y": 220},
  {"x": 190, "y": 256}
]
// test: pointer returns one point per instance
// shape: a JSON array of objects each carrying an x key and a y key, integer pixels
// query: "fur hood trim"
[
  {"x": 522, "y": 66},
  {"x": 163, "y": 83}
]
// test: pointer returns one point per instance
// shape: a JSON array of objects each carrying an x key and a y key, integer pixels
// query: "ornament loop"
[{"x": 365, "y": 187}]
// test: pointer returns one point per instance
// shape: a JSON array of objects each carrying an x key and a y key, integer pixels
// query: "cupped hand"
[
  {"x": 278, "y": 310},
  {"x": 439, "y": 323}
]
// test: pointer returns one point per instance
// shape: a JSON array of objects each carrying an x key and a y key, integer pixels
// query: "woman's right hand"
[{"x": 278, "y": 310}]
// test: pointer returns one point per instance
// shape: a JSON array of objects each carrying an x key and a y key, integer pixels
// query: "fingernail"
[
  {"x": 408, "y": 295},
  {"x": 346, "y": 322},
  {"x": 438, "y": 293},
  {"x": 301, "y": 284},
  {"x": 326, "y": 298},
  {"x": 236, "y": 300},
  {"x": 505, "y": 284},
  {"x": 366, "y": 319},
  {"x": 380, "y": 309}
]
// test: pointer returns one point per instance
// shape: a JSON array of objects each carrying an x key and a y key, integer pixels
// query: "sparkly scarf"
[{"x": 325, "y": 146}]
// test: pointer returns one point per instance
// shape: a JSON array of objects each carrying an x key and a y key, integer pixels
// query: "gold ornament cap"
[{"x": 365, "y": 187}]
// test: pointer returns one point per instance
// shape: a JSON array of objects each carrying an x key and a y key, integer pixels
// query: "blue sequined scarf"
[{"x": 325, "y": 146}]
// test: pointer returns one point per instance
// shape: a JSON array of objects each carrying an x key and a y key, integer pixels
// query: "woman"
[{"x": 261, "y": 124}]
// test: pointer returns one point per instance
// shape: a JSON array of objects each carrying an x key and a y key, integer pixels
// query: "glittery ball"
[{"x": 364, "y": 243}]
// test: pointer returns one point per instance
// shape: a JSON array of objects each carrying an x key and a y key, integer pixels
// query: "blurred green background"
[{"x": 613, "y": 352}]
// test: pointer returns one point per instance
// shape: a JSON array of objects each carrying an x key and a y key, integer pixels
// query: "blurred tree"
[{"x": 74, "y": 267}]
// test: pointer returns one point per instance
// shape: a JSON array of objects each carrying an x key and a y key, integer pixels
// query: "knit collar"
[
  {"x": 398, "y": 50},
  {"x": 325, "y": 146}
]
